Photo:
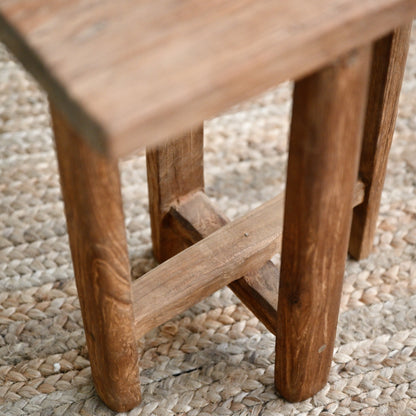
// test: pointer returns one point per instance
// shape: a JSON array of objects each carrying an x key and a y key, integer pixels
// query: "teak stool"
[{"x": 123, "y": 75}]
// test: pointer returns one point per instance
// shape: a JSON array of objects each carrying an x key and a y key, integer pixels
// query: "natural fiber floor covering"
[{"x": 216, "y": 358}]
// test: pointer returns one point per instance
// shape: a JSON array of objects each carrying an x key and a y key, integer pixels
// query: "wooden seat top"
[{"x": 131, "y": 73}]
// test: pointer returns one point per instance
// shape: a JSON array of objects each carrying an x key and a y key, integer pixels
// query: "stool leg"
[
  {"x": 325, "y": 139},
  {"x": 174, "y": 170},
  {"x": 91, "y": 191},
  {"x": 389, "y": 61}
]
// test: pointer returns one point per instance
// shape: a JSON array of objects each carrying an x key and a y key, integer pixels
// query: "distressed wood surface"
[
  {"x": 197, "y": 217},
  {"x": 95, "y": 221},
  {"x": 325, "y": 138},
  {"x": 174, "y": 170},
  {"x": 238, "y": 248},
  {"x": 389, "y": 61},
  {"x": 130, "y": 73}
]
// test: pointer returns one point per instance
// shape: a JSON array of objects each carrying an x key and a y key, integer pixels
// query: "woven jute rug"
[{"x": 216, "y": 358}]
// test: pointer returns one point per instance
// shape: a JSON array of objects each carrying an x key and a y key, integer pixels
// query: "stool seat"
[{"x": 115, "y": 69}]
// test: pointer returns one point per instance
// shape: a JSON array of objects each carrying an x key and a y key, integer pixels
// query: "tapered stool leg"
[
  {"x": 174, "y": 170},
  {"x": 389, "y": 61},
  {"x": 95, "y": 221},
  {"x": 327, "y": 121}
]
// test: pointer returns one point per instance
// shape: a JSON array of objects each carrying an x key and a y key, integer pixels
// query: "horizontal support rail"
[
  {"x": 236, "y": 249},
  {"x": 225, "y": 252},
  {"x": 198, "y": 217}
]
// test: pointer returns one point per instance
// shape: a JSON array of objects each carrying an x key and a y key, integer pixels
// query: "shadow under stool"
[{"x": 127, "y": 75}]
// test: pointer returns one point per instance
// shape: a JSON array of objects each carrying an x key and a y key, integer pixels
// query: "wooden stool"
[{"x": 123, "y": 75}]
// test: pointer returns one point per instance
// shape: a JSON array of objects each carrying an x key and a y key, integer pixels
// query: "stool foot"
[
  {"x": 95, "y": 221},
  {"x": 389, "y": 61},
  {"x": 327, "y": 120}
]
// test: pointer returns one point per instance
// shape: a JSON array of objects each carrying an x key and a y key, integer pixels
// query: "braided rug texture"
[{"x": 216, "y": 358}]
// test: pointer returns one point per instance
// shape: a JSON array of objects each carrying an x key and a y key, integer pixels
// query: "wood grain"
[
  {"x": 197, "y": 217},
  {"x": 128, "y": 74},
  {"x": 236, "y": 249},
  {"x": 325, "y": 139},
  {"x": 95, "y": 221},
  {"x": 389, "y": 61},
  {"x": 174, "y": 170}
]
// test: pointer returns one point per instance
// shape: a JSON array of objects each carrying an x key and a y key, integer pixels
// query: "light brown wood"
[
  {"x": 91, "y": 192},
  {"x": 197, "y": 217},
  {"x": 325, "y": 139},
  {"x": 128, "y": 73},
  {"x": 359, "y": 193},
  {"x": 389, "y": 61},
  {"x": 259, "y": 291},
  {"x": 236, "y": 249},
  {"x": 174, "y": 170}
]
